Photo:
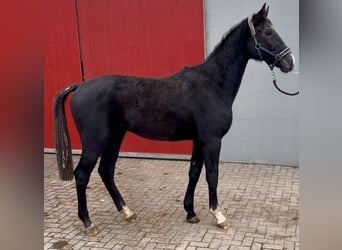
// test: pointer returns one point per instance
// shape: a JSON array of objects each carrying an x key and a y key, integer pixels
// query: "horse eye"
[{"x": 268, "y": 32}]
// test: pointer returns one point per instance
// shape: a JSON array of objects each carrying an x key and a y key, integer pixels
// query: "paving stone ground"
[{"x": 260, "y": 201}]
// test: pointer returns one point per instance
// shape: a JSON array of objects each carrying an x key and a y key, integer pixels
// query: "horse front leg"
[
  {"x": 211, "y": 154},
  {"x": 196, "y": 165}
]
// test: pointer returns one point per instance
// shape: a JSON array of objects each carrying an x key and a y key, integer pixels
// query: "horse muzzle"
[{"x": 287, "y": 63}]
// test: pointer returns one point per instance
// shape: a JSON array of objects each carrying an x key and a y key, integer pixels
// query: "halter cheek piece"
[{"x": 277, "y": 57}]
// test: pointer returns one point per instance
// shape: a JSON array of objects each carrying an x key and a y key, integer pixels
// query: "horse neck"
[{"x": 227, "y": 63}]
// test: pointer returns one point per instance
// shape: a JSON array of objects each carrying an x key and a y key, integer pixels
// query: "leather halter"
[{"x": 277, "y": 57}]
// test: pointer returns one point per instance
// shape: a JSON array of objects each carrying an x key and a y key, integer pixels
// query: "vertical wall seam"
[
  {"x": 204, "y": 30},
  {"x": 79, "y": 39}
]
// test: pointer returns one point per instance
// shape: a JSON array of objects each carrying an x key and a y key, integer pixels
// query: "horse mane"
[{"x": 226, "y": 36}]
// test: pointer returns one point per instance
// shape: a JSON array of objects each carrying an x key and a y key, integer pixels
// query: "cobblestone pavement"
[{"x": 260, "y": 201}]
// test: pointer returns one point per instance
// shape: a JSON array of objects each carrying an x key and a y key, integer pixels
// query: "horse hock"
[{"x": 222, "y": 221}]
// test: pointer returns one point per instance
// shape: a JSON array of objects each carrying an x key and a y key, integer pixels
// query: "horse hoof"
[
  {"x": 224, "y": 225},
  {"x": 131, "y": 218},
  {"x": 193, "y": 220},
  {"x": 91, "y": 230}
]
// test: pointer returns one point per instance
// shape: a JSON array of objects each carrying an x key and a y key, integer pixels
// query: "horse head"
[{"x": 265, "y": 44}]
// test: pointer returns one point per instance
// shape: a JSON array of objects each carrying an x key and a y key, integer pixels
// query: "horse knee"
[
  {"x": 195, "y": 172},
  {"x": 194, "y": 177}
]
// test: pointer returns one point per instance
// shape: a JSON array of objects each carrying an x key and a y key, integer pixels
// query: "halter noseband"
[{"x": 277, "y": 57}]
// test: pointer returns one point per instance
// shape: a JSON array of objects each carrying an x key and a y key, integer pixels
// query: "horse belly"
[{"x": 162, "y": 128}]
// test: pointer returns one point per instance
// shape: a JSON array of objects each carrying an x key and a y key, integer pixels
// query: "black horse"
[{"x": 193, "y": 104}]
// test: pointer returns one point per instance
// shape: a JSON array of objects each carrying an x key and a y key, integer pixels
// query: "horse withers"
[{"x": 193, "y": 104}]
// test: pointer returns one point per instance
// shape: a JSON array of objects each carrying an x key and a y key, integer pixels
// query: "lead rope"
[{"x": 274, "y": 80}]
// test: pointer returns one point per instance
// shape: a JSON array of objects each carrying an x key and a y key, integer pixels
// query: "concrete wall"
[{"x": 265, "y": 122}]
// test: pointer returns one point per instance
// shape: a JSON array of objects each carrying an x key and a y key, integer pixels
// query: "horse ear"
[
  {"x": 261, "y": 15},
  {"x": 266, "y": 12}
]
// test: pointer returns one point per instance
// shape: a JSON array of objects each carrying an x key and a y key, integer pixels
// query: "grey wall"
[{"x": 265, "y": 122}]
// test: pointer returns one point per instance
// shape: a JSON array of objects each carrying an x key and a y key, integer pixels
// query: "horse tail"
[{"x": 62, "y": 137}]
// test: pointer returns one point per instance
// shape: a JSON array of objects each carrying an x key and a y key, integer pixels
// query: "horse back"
[{"x": 156, "y": 108}]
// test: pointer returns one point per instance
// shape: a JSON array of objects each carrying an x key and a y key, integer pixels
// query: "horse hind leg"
[
  {"x": 107, "y": 170},
  {"x": 82, "y": 174}
]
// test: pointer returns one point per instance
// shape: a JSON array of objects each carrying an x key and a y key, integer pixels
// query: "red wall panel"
[
  {"x": 150, "y": 37},
  {"x": 147, "y": 38},
  {"x": 61, "y": 61},
  {"x": 133, "y": 37}
]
